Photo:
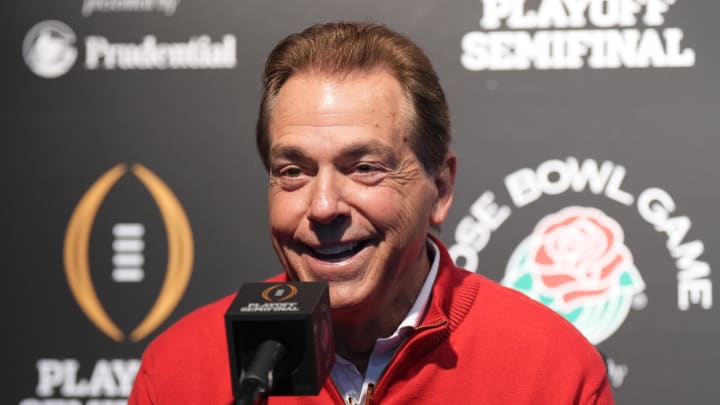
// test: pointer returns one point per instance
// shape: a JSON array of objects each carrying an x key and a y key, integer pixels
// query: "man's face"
[{"x": 349, "y": 201}]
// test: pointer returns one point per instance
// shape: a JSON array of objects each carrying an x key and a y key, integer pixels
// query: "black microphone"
[{"x": 279, "y": 340}]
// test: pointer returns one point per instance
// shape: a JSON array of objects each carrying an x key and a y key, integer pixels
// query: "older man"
[{"x": 354, "y": 132}]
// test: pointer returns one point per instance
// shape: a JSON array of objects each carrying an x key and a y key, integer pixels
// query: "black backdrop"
[{"x": 173, "y": 86}]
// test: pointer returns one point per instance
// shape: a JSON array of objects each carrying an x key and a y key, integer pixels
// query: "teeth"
[{"x": 337, "y": 249}]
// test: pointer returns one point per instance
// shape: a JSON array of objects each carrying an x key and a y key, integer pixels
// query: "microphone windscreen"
[{"x": 296, "y": 314}]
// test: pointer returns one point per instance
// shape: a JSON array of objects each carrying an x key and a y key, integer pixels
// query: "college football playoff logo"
[
  {"x": 279, "y": 293},
  {"x": 179, "y": 261},
  {"x": 576, "y": 262}
]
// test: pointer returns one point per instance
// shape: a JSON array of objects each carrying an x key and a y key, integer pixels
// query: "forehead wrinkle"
[
  {"x": 328, "y": 83},
  {"x": 354, "y": 150}
]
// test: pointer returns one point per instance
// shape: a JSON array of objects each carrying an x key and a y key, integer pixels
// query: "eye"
[
  {"x": 287, "y": 171},
  {"x": 289, "y": 177},
  {"x": 368, "y": 173},
  {"x": 365, "y": 168},
  {"x": 290, "y": 171}
]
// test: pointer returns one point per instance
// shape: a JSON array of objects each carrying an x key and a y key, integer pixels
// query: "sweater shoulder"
[
  {"x": 522, "y": 350},
  {"x": 195, "y": 332},
  {"x": 505, "y": 313}
]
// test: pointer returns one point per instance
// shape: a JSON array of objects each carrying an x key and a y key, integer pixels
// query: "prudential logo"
[{"x": 49, "y": 49}]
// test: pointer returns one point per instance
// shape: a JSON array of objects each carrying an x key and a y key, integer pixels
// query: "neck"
[{"x": 356, "y": 332}]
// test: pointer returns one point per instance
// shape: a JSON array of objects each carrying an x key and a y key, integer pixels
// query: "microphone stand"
[{"x": 257, "y": 381}]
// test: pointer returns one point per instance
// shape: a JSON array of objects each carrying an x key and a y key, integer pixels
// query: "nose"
[{"x": 327, "y": 202}]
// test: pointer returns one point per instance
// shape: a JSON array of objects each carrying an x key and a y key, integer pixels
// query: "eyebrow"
[
  {"x": 358, "y": 150},
  {"x": 287, "y": 152}
]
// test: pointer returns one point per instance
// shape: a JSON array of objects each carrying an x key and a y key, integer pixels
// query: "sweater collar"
[{"x": 453, "y": 293}]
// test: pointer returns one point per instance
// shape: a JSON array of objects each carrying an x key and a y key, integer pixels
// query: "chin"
[{"x": 347, "y": 297}]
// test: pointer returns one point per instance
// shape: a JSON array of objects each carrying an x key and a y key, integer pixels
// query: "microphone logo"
[
  {"x": 128, "y": 248},
  {"x": 279, "y": 293}
]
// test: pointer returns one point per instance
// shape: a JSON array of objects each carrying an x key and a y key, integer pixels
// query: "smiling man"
[
  {"x": 354, "y": 132},
  {"x": 349, "y": 200}
]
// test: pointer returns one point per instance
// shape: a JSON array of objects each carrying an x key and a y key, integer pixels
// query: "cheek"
[
  {"x": 381, "y": 205},
  {"x": 397, "y": 210},
  {"x": 285, "y": 212}
]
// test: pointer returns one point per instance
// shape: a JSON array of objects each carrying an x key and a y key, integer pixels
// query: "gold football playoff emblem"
[
  {"x": 179, "y": 262},
  {"x": 279, "y": 292}
]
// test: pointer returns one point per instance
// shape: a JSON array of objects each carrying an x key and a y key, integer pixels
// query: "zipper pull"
[{"x": 369, "y": 397}]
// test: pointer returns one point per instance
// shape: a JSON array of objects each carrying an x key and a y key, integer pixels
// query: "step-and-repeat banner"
[{"x": 586, "y": 132}]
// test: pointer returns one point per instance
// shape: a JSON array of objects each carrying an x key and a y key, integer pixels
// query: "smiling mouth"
[{"x": 338, "y": 252}]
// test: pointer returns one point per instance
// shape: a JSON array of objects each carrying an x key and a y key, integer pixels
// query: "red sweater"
[{"x": 479, "y": 343}]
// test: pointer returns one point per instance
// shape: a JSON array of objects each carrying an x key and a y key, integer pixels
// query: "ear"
[{"x": 445, "y": 185}]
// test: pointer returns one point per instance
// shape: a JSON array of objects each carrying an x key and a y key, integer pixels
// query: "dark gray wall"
[{"x": 627, "y": 90}]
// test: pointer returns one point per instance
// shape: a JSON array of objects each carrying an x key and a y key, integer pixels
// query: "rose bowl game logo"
[{"x": 576, "y": 262}]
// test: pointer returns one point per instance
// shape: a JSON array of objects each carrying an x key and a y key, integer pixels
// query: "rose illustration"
[
  {"x": 578, "y": 253},
  {"x": 576, "y": 262}
]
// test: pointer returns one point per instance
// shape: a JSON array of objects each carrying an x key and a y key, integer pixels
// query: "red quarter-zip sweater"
[{"x": 479, "y": 343}]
